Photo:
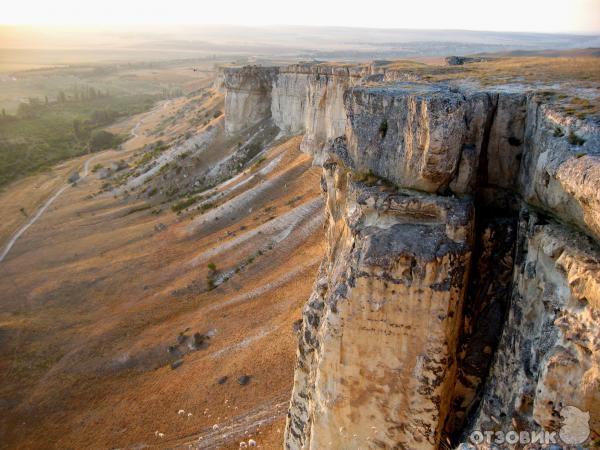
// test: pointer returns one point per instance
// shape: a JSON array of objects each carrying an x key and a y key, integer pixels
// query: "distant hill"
[{"x": 575, "y": 52}]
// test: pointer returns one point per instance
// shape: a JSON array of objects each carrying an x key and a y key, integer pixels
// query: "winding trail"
[
  {"x": 41, "y": 210},
  {"x": 45, "y": 206}
]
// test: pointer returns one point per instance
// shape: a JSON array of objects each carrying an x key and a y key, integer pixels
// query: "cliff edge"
[{"x": 460, "y": 287}]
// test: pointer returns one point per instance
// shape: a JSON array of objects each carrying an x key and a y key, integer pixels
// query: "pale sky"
[{"x": 554, "y": 16}]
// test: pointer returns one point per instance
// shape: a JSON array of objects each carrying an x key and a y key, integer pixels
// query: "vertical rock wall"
[
  {"x": 248, "y": 96},
  {"x": 460, "y": 290},
  {"x": 300, "y": 98},
  {"x": 289, "y": 105},
  {"x": 549, "y": 353},
  {"x": 368, "y": 376},
  {"x": 326, "y": 114},
  {"x": 418, "y": 136}
]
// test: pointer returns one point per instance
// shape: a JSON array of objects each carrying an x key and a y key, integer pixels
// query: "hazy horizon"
[{"x": 536, "y": 16}]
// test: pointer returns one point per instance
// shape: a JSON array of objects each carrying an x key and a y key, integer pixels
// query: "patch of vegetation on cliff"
[
  {"x": 211, "y": 276},
  {"x": 186, "y": 203},
  {"x": 139, "y": 209},
  {"x": 151, "y": 153}
]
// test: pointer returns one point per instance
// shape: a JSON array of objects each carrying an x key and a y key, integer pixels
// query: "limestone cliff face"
[
  {"x": 289, "y": 105},
  {"x": 219, "y": 81},
  {"x": 549, "y": 353},
  {"x": 247, "y": 96},
  {"x": 397, "y": 264},
  {"x": 460, "y": 289},
  {"x": 560, "y": 178},
  {"x": 326, "y": 115},
  {"x": 303, "y": 98},
  {"x": 418, "y": 136}
]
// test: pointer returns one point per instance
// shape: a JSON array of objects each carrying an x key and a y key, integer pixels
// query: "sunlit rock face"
[
  {"x": 309, "y": 98},
  {"x": 300, "y": 98},
  {"x": 415, "y": 134},
  {"x": 557, "y": 176},
  {"x": 247, "y": 96},
  {"x": 326, "y": 114},
  {"x": 460, "y": 286},
  {"x": 219, "y": 81},
  {"x": 289, "y": 105},
  {"x": 397, "y": 264}
]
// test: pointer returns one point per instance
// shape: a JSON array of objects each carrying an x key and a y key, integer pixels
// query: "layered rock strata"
[
  {"x": 247, "y": 96},
  {"x": 460, "y": 289},
  {"x": 301, "y": 98},
  {"x": 396, "y": 265}
]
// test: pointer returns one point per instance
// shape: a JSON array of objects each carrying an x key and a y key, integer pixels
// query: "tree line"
[{"x": 33, "y": 105}]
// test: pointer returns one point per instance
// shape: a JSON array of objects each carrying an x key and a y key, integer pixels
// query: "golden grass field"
[{"x": 570, "y": 82}]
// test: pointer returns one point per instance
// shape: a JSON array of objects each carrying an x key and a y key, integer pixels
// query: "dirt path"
[
  {"x": 41, "y": 210},
  {"x": 86, "y": 169},
  {"x": 134, "y": 131}
]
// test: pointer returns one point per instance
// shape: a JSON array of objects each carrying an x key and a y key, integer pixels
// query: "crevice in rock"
[
  {"x": 482, "y": 172},
  {"x": 484, "y": 312}
]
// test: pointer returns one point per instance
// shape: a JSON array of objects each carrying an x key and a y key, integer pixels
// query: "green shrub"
[
  {"x": 139, "y": 209},
  {"x": 210, "y": 277},
  {"x": 180, "y": 206},
  {"x": 102, "y": 140},
  {"x": 259, "y": 161}
]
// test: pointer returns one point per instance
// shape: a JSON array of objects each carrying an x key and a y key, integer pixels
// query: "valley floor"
[{"x": 99, "y": 297}]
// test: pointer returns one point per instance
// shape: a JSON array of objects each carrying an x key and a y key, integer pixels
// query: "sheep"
[
  {"x": 181, "y": 412},
  {"x": 159, "y": 434},
  {"x": 189, "y": 414},
  {"x": 251, "y": 443},
  {"x": 215, "y": 427},
  {"x": 243, "y": 444}
]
